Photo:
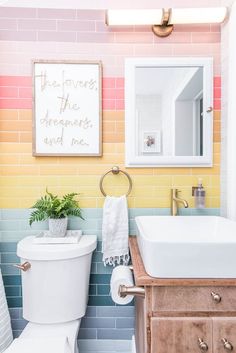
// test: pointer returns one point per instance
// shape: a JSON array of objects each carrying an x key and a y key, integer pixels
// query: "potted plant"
[{"x": 57, "y": 211}]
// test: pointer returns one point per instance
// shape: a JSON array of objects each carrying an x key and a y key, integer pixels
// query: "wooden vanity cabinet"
[
  {"x": 180, "y": 335},
  {"x": 183, "y": 315},
  {"x": 224, "y": 328}
]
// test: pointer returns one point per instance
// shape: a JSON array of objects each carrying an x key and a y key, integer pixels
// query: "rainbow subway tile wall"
[{"x": 28, "y": 34}]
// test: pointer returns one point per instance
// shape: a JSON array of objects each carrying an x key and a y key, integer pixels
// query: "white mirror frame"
[{"x": 131, "y": 159}]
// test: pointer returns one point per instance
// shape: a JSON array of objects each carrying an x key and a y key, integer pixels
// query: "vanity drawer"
[{"x": 189, "y": 299}]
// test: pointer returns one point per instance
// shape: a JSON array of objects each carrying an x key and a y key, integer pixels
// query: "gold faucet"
[{"x": 174, "y": 202}]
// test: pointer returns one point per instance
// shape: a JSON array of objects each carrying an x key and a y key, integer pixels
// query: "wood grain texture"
[
  {"x": 140, "y": 325},
  {"x": 143, "y": 279},
  {"x": 224, "y": 328},
  {"x": 190, "y": 299},
  {"x": 177, "y": 335}
]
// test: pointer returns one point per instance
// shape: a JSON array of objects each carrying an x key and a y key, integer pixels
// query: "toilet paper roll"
[{"x": 121, "y": 275}]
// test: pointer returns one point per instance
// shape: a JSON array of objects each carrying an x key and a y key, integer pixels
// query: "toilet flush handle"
[{"x": 24, "y": 267}]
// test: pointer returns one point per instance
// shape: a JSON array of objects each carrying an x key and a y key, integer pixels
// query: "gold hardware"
[
  {"x": 193, "y": 189},
  {"x": 115, "y": 170},
  {"x": 124, "y": 291},
  {"x": 24, "y": 267},
  {"x": 216, "y": 297},
  {"x": 175, "y": 200},
  {"x": 202, "y": 345},
  {"x": 227, "y": 345},
  {"x": 164, "y": 29},
  {"x": 209, "y": 109}
]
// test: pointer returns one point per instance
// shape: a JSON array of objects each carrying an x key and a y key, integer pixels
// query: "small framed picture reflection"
[{"x": 151, "y": 141}]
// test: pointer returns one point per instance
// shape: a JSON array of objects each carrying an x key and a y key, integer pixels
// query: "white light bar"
[
  {"x": 154, "y": 16},
  {"x": 198, "y": 15},
  {"x": 133, "y": 17}
]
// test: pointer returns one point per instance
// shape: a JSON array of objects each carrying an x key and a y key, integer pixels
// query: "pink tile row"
[
  {"x": 16, "y": 93},
  {"x": 14, "y": 12},
  {"x": 108, "y": 83},
  {"x": 82, "y": 26},
  {"x": 26, "y": 81},
  {"x": 86, "y": 35},
  {"x": 107, "y": 104}
]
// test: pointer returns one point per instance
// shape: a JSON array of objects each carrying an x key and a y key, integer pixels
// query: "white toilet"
[{"x": 55, "y": 294}]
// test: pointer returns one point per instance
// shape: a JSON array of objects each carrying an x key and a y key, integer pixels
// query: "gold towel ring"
[{"x": 115, "y": 170}]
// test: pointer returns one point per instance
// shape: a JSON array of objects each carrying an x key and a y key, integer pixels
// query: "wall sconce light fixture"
[{"x": 163, "y": 20}]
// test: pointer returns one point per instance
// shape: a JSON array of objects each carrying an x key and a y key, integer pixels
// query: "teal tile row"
[{"x": 12, "y": 280}]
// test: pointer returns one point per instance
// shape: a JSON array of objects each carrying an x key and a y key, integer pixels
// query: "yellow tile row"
[
  {"x": 147, "y": 191},
  {"x": 26, "y": 202}
]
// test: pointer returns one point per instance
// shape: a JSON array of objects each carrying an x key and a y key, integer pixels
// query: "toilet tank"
[{"x": 55, "y": 288}]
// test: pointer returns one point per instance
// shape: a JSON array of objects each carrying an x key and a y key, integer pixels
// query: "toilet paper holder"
[{"x": 124, "y": 291}]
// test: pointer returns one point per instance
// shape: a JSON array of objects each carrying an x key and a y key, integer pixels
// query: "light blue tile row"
[
  {"x": 14, "y": 223},
  {"x": 15, "y": 213},
  {"x": 16, "y": 235},
  {"x": 7, "y": 225}
]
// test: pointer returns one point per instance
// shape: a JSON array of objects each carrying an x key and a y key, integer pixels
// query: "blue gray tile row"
[
  {"x": 104, "y": 346},
  {"x": 99, "y": 323}
]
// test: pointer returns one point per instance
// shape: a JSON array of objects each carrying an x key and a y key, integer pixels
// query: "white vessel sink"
[{"x": 187, "y": 246}]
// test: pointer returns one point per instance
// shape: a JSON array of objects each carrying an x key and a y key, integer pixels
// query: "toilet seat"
[{"x": 39, "y": 345}]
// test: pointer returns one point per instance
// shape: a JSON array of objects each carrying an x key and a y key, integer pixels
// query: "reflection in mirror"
[
  {"x": 168, "y": 112},
  {"x": 169, "y": 103}
]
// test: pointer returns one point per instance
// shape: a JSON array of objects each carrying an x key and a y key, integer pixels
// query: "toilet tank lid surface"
[{"x": 27, "y": 249}]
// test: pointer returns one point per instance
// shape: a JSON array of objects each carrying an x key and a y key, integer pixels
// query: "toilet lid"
[{"x": 39, "y": 345}]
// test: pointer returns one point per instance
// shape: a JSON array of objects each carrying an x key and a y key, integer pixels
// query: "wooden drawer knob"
[
  {"x": 216, "y": 297},
  {"x": 202, "y": 345},
  {"x": 227, "y": 345}
]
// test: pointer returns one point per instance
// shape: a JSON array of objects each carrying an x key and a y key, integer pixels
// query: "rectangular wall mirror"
[{"x": 168, "y": 112}]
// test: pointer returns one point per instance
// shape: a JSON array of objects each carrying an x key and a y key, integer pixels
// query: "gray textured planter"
[{"x": 57, "y": 227}]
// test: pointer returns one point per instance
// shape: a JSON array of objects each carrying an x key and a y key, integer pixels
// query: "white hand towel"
[
  {"x": 115, "y": 231},
  {"x": 5, "y": 322}
]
